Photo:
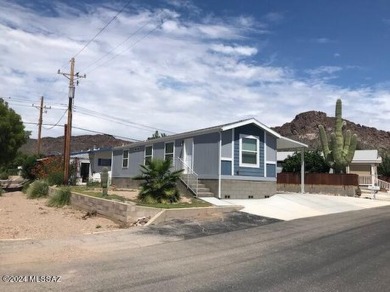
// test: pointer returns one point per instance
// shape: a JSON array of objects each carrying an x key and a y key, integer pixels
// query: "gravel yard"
[{"x": 22, "y": 218}]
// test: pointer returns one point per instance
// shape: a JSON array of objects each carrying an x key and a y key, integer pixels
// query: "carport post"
[{"x": 302, "y": 170}]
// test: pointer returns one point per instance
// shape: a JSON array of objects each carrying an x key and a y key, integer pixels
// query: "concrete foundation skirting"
[
  {"x": 319, "y": 189},
  {"x": 247, "y": 189},
  {"x": 190, "y": 213}
]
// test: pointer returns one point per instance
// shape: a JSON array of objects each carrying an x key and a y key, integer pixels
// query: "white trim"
[
  {"x": 250, "y": 121},
  {"x": 257, "y": 151},
  {"x": 220, "y": 165},
  {"x": 184, "y": 151},
  {"x": 233, "y": 151},
  {"x": 173, "y": 153},
  {"x": 128, "y": 158},
  {"x": 249, "y": 178},
  {"x": 265, "y": 154},
  {"x": 270, "y": 162},
  {"x": 226, "y": 159},
  {"x": 151, "y": 156}
]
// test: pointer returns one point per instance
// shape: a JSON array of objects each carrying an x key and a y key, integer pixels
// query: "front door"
[{"x": 188, "y": 154}]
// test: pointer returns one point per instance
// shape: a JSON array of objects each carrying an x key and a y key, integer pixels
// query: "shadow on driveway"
[{"x": 197, "y": 228}]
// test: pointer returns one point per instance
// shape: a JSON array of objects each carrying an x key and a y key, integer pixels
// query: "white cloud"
[
  {"x": 324, "y": 70},
  {"x": 234, "y": 50},
  {"x": 184, "y": 75}
]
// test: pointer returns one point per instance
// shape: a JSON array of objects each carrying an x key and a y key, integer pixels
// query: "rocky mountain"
[
  {"x": 50, "y": 145},
  {"x": 304, "y": 128}
]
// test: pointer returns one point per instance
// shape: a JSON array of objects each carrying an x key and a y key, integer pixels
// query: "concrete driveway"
[{"x": 293, "y": 206}]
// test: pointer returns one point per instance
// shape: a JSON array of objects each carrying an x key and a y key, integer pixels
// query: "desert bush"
[
  {"x": 93, "y": 184},
  {"x": 3, "y": 175},
  {"x": 28, "y": 165},
  {"x": 55, "y": 178},
  {"x": 60, "y": 198},
  {"x": 1, "y": 192},
  {"x": 38, "y": 189}
]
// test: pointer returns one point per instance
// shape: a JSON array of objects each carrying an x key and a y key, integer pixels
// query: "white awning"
[{"x": 284, "y": 143}]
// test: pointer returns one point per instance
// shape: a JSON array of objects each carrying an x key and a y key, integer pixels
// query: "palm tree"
[{"x": 159, "y": 182}]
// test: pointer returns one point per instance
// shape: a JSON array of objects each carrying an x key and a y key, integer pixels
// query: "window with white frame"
[
  {"x": 148, "y": 154},
  {"x": 125, "y": 159},
  {"x": 249, "y": 151},
  {"x": 169, "y": 151}
]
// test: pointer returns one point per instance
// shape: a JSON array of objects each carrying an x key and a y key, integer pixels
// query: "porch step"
[
  {"x": 203, "y": 190},
  {"x": 205, "y": 194}
]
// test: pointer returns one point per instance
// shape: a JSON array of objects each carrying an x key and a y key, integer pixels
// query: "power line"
[
  {"x": 55, "y": 125},
  {"x": 87, "y": 130},
  {"x": 126, "y": 49},
  {"x": 119, "y": 120},
  {"x": 120, "y": 44},
  {"x": 96, "y": 35}
]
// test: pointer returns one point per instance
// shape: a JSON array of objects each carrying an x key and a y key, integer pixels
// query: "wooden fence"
[{"x": 319, "y": 179}]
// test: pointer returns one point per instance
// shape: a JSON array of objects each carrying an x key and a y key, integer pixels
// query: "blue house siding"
[
  {"x": 226, "y": 167},
  {"x": 271, "y": 148},
  {"x": 158, "y": 150},
  {"x": 271, "y": 170},
  {"x": 253, "y": 130},
  {"x": 136, "y": 158},
  {"x": 206, "y": 154},
  {"x": 226, "y": 151},
  {"x": 116, "y": 161}
]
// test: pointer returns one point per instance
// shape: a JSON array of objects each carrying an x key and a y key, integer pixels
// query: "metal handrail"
[
  {"x": 384, "y": 184},
  {"x": 367, "y": 180},
  {"x": 190, "y": 175}
]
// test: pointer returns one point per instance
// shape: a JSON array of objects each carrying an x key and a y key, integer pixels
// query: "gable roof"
[
  {"x": 366, "y": 156},
  {"x": 284, "y": 142}
]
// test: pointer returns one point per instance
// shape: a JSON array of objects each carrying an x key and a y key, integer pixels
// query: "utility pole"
[
  {"x": 67, "y": 139},
  {"x": 41, "y": 108}
]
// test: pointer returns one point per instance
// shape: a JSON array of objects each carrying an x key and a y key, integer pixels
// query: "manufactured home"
[{"x": 235, "y": 160}]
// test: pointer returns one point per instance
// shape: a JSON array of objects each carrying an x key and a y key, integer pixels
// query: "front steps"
[{"x": 196, "y": 186}]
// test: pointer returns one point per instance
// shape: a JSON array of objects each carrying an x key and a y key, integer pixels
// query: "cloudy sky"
[{"x": 177, "y": 65}]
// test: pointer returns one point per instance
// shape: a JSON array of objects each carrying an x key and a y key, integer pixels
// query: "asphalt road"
[{"x": 340, "y": 252}]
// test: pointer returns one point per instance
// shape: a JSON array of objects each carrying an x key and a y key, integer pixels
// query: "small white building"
[{"x": 90, "y": 164}]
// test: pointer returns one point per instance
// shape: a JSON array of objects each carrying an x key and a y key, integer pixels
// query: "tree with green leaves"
[
  {"x": 314, "y": 163},
  {"x": 384, "y": 167},
  {"x": 12, "y": 134},
  {"x": 157, "y": 135},
  {"x": 159, "y": 182}
]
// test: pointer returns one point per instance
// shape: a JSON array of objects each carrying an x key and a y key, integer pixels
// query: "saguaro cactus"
[
  {"x": 104, "y": 180},
  {"x": 339, "y": 152}
]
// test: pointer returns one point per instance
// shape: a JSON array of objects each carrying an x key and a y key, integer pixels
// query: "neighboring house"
[
  {"x": 91, "y": 163},
  {"x": 235, "y": 160},
  {"x": 364, "y": 163}
]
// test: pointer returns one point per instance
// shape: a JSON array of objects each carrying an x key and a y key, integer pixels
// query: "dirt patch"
[{"x": 24, "y": 218}]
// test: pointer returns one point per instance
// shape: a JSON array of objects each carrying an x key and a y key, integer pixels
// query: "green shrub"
[
  {"x": 159, "y": 182},
  {"x": 38, "y": 189},
  {"x": 26, "y": 187},
  {"x": 4, "y": 175},
  {"x": 55, "y": 178},
  {"x": 60, "y": 198},
  {"x": 93, "y": 184},
  {"x": 1, "y": 192}
]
